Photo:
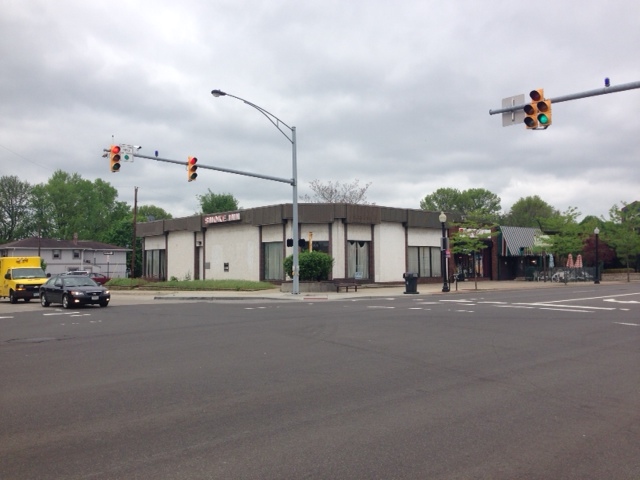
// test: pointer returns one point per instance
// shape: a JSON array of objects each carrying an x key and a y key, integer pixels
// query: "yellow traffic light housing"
[
  {"x": 544, "y": 113},
  {"x": 114, "y": 158},
  {"x": 531, "y": 110},
  {"x": 191, "y": 169},
  {"x": 538, "y": 111}
]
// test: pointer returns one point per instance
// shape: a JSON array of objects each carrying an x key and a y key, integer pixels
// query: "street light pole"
[
  {"x": 443, "y": 261},
  {"x": 294, "y": 180},
  {"x": 597, "y": 233}
]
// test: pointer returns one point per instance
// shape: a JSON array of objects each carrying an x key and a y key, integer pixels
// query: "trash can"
[{"x": 410, "y": 282}]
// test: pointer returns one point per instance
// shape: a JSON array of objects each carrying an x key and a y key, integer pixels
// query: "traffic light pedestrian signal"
[
  {"x": 191, "y": 169},
  {"x": 114, "y": 158},
  {"x": 538, "y": 111}
]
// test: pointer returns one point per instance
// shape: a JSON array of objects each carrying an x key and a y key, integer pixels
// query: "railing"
[{"x": 562, "y": 275}]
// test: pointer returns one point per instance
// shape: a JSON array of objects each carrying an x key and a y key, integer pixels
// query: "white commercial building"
[{"x": 368, "y": 242}]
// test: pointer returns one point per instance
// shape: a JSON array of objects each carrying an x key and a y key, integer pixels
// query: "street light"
[
  {"x": 294, "y": 180},
  {"x": 443, "y": 248},
  {"x": 597, "y": 233}
]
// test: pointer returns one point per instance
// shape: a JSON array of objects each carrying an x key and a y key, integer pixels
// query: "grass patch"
[{"x": 237, "y": 285}]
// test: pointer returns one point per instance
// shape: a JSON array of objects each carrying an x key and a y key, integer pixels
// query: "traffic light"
[
  {"x": 538, "y": 111},
  {"x": 114, "y": 158},
  {"x": 191, "y": 169},
  {"x": 544, "y": 115}
]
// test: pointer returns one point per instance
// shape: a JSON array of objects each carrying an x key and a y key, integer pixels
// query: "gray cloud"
[{"x": 396, "y": 94}]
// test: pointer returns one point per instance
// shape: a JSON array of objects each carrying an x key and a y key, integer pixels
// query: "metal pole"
[
  {"x": 295, "y": 289},
  {"x": 294, "y": 181},
  {"x": 445, "y": 284},
  {"x": 597, "y": 280}
]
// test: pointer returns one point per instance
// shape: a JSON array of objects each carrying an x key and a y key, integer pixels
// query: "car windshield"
[
  {"x": 79, "y": 281},
  {"x": 18, "y": 273}
]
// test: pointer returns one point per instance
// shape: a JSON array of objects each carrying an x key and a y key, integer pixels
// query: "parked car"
[
  {"x": 73, "y": 290},
  {"x": 98, "y": 277}
]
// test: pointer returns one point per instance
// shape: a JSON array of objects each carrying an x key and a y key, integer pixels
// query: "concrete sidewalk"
[{"x": 364, "y": 292}]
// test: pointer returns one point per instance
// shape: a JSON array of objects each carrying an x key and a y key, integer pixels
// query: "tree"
[
  {"x": 529, "y": 212},
  {"x": 217, "y": 202},
  {"x": 15, "y": 208},
  {"x": 75, "y": 206},
  {"x": 566, "y": 235},
  {"x": 623, "y": 233},
  {"x": 476, "y": 204},
  {"x": 148, "y": 213},
  {"x": 470, "y": 238},
  {"x": 336, "y": 192}
]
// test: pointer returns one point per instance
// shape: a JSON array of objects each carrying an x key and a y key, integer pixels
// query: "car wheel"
[
  {"x": 65, "y": 301},
  {"x": 43, "y": 300},
  {"x": 104, "y": 304},
  {"x": 12, "y": 297}
]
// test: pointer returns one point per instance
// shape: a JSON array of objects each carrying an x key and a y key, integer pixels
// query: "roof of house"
[{"x": 53, "y": 244}]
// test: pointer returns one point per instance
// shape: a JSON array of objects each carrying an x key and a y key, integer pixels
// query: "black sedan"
[{"x": 73, "y": 291}]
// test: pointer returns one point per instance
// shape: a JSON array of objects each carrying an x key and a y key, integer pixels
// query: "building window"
[
  {"x": 56, "y": 254},
  {"x": 425, "y": 261},
  {"x": 273, "y": 261},
  {"x": 76, "y": 254},
  {"x": 155, "y": 264},
  {"x": 320, "y": 246},
  {"x": 358, "y": 259}
]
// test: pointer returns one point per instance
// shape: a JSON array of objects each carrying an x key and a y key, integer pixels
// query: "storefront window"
[
  {"x": 358, "y": 259},
  {"x": 425, "y": 261},
  {"x": 273, "y": 261}
]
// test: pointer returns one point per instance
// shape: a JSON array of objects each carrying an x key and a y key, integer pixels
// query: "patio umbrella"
[
  {"x": 579, "y": 261},
  {"x": 570, "y": 261}
]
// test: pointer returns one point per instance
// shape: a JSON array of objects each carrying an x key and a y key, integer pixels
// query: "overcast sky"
[{"x": 395, "y": 93}]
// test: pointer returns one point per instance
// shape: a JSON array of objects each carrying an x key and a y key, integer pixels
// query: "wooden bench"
[{"x": 346, "y": 286}]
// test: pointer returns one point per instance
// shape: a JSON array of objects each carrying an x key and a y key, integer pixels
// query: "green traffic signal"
[{"x": 543, "y": 119}]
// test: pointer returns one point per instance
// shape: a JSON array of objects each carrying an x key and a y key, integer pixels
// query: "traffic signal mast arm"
[
  {"x": 289, "y": 181},
  {"x": 575, "y": 96}
]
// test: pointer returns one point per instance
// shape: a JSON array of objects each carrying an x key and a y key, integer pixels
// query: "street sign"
[
  {"x": 126, "y": 153},
  {"x": 516, "y": 117}
]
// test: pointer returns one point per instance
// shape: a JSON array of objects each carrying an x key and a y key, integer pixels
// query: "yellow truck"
[{"x": 21, "y": 277}]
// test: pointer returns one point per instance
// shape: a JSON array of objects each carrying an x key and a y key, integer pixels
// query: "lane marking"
[
  {"x": 565, "y": 310},
  {"x": 628, "y": 324},
  {"x": 550, "y": 304}
]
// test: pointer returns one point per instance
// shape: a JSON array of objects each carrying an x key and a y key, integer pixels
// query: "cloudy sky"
[{"x": 395, "y": 93}]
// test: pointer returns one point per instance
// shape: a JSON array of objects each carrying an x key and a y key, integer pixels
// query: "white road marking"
[
  {"x": 620, "y": 301},
  {"x": 628, "y": 324},
  {"x": 565, "y": 310}
]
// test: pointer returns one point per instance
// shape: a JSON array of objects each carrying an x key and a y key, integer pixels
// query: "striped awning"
[{"x": 518, "y": 241}]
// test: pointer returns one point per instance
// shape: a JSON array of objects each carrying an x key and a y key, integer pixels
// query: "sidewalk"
[{"x": 364, "y": 292}]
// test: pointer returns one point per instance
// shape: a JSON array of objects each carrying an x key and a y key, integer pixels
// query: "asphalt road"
[{"x": 531, "y": 384}]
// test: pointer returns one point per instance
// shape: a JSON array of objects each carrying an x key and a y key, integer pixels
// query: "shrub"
[{"x": 314, "y": 266}]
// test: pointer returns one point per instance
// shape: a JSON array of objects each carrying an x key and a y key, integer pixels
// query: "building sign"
[{"x": 221, "y": 218}]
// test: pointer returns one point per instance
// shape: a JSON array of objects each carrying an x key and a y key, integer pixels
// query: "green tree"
[
  {"x": 476, "y": 204},
  {"x": 529, "y": 212},
  {"x": 623, "y": 233},
  {"x": 471, "y": 238},
  {"x": 78, "y": 206},
  {"x": 15, "y": 208},
  {"x": 566, "y": 235},
  {"x": 217, "y": 202}
]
